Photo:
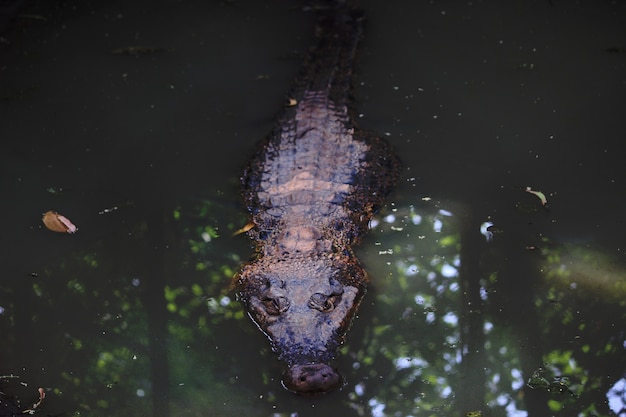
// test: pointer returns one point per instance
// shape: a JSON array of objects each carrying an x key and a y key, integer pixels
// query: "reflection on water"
[
  {"x": 133, "y": 314},
  {"x": 96, "y": 326}
]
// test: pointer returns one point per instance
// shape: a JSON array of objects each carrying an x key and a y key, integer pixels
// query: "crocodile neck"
[{"x": 327, "y": 68}]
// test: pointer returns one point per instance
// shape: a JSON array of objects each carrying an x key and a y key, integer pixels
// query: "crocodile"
[{"x": 311, "y": 190}]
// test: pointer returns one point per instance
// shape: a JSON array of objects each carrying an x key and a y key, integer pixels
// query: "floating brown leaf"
[{"x": 58, "y": 223}]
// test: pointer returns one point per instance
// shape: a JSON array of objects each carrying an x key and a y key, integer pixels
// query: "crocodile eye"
[
  {"x": 276, "y": 305},
  {"x": 322, "y": 302}
]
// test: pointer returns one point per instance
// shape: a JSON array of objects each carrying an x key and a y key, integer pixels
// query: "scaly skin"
[{"x": 311, "y": 190}]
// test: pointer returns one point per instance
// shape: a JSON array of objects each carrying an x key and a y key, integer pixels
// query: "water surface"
[{"x": 135, "y": 121}]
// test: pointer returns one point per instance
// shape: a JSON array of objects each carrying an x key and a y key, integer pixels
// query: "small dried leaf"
[
  {"x": 244, "y": 229},
  {"x": 58, "y": 223},
  {"x": 539, "y": 194}
]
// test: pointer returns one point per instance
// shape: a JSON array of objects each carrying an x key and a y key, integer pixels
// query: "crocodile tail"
[{"x": 329, "y": 62}]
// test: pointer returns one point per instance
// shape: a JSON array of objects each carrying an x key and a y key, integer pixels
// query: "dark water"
[{"x": 142, "y": 148}]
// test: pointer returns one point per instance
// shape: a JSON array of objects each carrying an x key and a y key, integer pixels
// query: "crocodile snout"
[{"x": 315, "y": 378}]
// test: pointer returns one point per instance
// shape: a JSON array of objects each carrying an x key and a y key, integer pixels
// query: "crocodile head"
[{"x": 304, "y": 305}]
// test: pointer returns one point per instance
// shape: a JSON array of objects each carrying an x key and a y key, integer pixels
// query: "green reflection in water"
[{"x": 428, "y": 331}]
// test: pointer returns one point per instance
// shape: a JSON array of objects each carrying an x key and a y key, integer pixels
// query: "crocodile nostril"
[
  {"x": 322, "y": 302},
  {"x": 276, "y": 305}
]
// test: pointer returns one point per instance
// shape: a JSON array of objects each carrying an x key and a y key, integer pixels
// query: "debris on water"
[
  {"x": 558, "y": 385},
  {"x": 244, "y": 229},
  {"x": 29, "y": 16},
  {"x": 108, "y": 210},
  {"x": 539, "y": 194},
  {"x": 42, "y": 395},
  {"x": 11, "y": 405},
  {"x": 55, "y": 191},
  {"x": 291, "y": 102},
  {"x": 58, "y": 223}
]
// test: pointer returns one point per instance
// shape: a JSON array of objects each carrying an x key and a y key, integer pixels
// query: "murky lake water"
[{"x": 135, "y": 121}]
